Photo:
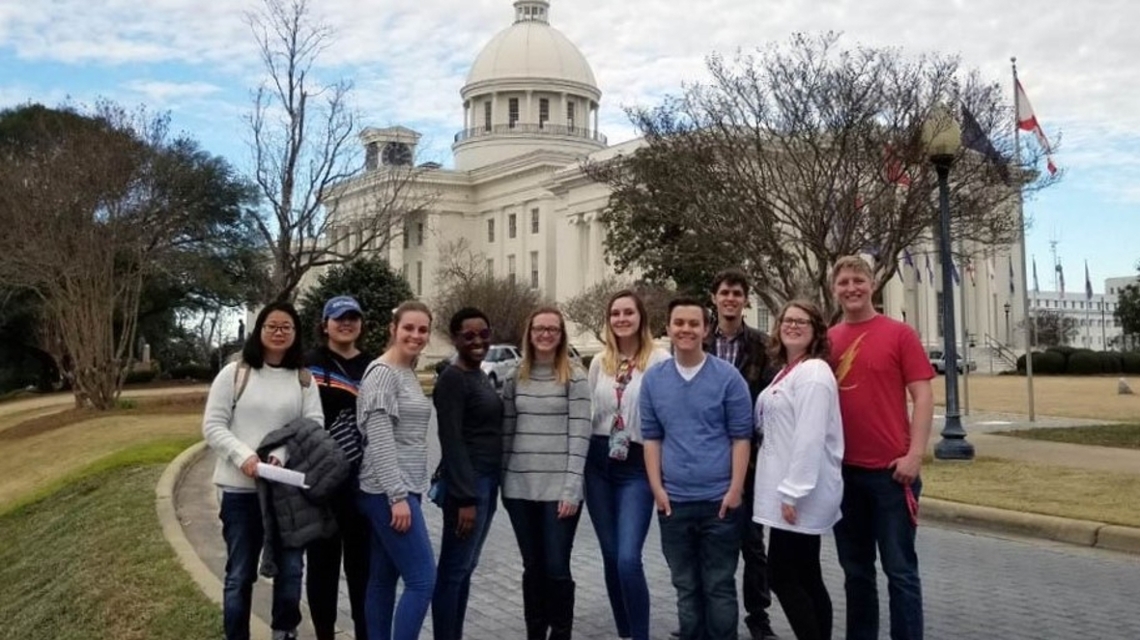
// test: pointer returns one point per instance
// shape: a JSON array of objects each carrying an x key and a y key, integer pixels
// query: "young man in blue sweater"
[{"x": 696, "y": 419}]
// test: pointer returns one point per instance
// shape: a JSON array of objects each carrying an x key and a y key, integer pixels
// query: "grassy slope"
[{"x": 89, "y": 561}]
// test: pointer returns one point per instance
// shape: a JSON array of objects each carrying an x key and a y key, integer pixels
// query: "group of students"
[{"x": 804, "y": 432}]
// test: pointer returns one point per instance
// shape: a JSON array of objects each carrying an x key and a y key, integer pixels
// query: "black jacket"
[
  {"x": 752, "y": 359},
  {"x": 293, "y": 516}
]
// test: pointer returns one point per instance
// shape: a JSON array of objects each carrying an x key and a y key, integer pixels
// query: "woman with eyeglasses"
[
  {"x": 264, "y": 391},
  {"x": 393, "y": 414},
  {"x": 470, "y": 417},
  {"x": 546, "y": 433},
  {"x": 617, "y": 489},
  {"x": 799, "y": 481}
]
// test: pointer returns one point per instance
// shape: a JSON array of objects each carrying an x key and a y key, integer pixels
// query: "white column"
[
  {"x": 529, "y": 109},
  {"x": 596, "y": 109}
]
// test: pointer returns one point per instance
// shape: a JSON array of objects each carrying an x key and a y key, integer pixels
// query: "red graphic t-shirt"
[{"x": 874, "y": 361}]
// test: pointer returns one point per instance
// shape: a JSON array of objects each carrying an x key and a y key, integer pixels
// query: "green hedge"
[
  {"x": 1081, "y": 362},
  {"x": 142, "y": 376},
  {"x": 200, "y": 372},
  {"x": 1130, "y": 362}
]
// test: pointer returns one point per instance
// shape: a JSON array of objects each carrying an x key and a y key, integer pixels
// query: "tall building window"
[
  {"x": 487, "y": 116},
  {"x": 491, "y": 230},
  {"x": 512, "y": 226},
  {"x": 534, "y": 220},
  {"x": 372, "y": 155},
  {"x": 407, "y": 234},
  {"x": 419, "y": 278},
  {"x": 543, "y": 112},
  {"x": 512, "y": 111},
  {"x": 570, "y": 114},
  {"x": 419, "y": 234},
  {"x": 511, "y": 269},
  {"x": 533, "y": 269},
  {"x": 490, "y": 267}
]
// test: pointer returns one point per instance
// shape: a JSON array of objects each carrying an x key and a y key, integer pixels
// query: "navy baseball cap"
[{"x": 336, "y": 307}]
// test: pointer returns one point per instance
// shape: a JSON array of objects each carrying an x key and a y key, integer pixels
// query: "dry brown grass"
[
  {"x": 1072, "y": 397},
  {"x": 1113, "y": 498},
  {"x": 44, "y": 457}
]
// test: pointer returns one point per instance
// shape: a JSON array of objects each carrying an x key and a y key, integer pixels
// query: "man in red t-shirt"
[{"x": 878, "y": 362}]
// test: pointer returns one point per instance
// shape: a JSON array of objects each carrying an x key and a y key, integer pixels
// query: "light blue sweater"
[{"x": 696, "y": 421}]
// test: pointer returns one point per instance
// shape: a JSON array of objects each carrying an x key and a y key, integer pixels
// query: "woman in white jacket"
[
  {"x": 799, "y": 482},
  {"x": 266, "y": 390}
]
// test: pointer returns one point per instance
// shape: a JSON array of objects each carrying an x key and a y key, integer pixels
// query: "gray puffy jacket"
[{"x": 293, "y": 516}]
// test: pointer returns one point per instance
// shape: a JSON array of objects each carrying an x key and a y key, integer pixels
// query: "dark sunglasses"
[{"x": 469, "y": 336}]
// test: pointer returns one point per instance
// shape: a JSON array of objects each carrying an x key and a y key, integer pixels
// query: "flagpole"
[{"x": 1024, "y": 251}]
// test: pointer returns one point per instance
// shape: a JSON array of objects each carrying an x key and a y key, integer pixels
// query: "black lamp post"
[
  {"x": 1007, "y": 308},
  {"x": 943, "y": 138}
]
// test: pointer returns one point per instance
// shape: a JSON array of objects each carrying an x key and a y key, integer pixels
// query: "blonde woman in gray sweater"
[{"x": 546, "y": 434}]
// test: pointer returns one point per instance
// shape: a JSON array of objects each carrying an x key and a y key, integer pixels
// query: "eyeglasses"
[
  {"x": 552, "y": 331},
  {"x": 469, "y": 336},
  {"x": 283, "y": 329},
  {"x": 796, "y": 322}
]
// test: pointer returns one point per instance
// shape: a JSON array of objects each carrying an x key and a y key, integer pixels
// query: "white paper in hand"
[{"x": 280, "y": 474}]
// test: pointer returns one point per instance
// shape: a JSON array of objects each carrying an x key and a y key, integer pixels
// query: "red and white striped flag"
[{"x": 1027, "y": 121}]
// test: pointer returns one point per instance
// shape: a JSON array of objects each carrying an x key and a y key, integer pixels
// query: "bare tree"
[
  {"x": 305, "y": 160},
  {"x": 800, "y": 154},
  {"x": 90, "y": 205},
  {"x": 1050, "y": 328},
  {"x": 462, "y": 280}
]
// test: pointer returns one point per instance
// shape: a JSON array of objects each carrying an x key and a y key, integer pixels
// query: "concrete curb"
[
  {"x": 1085, "y": 533},
  {"x": 172, "y": 531}
]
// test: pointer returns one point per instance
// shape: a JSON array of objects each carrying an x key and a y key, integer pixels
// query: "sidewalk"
[
  {"x": 982, "y": 430},
  {"x": 191, "y": 524}
]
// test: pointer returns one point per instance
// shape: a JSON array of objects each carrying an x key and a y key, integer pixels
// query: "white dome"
[{"x": 531, "y": 49}]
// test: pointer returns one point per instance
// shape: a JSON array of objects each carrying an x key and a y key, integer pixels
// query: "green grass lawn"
[
  {"x": 1121, "y": 436},
  {"x": 88, "y": 561}
]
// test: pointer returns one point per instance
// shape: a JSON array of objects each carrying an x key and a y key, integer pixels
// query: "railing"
[
  {"x": 1003, "y": 352},
  {"x": 520, "y": 129}
]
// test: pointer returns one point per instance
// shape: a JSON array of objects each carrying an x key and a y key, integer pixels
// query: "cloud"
[
  {"x": 409, "y": 58},
  {"x": 161, "y": 93}
]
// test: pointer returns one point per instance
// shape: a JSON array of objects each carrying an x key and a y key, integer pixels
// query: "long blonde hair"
[
  {"x": 561, "y": 353},
  {"x": 611, "y": 356}
]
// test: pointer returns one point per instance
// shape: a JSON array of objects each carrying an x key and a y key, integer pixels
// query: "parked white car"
[
  {"x": 939, "y": 362},
  {"x": 500, "y": 361}
]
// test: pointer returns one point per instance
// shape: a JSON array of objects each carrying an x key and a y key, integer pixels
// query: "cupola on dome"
[{"x": 531, "y": 49}]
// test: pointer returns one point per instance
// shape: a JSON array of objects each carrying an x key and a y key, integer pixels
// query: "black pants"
[
  {"x": 798, "y": 583},
  {"x": 757, "y": 597},
  {"x": 324, "y": 560}
]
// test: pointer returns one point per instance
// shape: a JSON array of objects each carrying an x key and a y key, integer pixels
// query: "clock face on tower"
[{"x": 397, "y": 153}]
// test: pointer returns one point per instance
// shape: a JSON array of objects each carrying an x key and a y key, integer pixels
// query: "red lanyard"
[{"x": 787, "y": 369}]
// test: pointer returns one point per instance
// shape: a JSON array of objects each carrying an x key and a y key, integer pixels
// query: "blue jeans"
[
  {"x": 244, "y": 533},
  {"x": 702, "y": 550},
  {"x": 621, "y": 508},
  {"x": 458, "y": 559},
  {"x": 394, "y": 556},
  {"x": 545, "y": 542},
  {"x": 875, "y": 514}
]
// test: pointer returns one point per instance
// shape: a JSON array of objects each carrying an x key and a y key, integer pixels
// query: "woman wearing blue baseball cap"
[{"x": 338, "y": 366}]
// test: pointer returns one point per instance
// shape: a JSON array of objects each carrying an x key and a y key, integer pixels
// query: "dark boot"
[
  {"x": 534, "y": 608},
  {"x": 560, "y": 609}
]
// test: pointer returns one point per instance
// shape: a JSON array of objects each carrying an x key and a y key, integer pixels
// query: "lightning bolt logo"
[{"x": 846, "y": 360}]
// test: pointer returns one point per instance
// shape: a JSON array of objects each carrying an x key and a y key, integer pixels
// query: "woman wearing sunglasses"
[{"x": 470, "y": 416}]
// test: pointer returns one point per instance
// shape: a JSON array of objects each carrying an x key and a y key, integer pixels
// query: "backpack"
[{"x": 241, "y": 379}]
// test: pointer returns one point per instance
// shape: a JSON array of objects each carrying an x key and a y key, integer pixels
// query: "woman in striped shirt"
[
  {"x": 393, "y": 414},
  {"x": 546, "y": 433}
]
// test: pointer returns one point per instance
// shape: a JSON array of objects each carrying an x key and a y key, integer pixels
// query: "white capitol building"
[{"x": 517, "y": 195}]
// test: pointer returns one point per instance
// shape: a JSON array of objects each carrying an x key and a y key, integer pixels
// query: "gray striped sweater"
[
  {"x": 393, "y": 414},
  {"x": 546, "y": 433}
]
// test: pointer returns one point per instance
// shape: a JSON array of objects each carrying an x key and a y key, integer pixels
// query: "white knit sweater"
[{"x": 272, "y": 398}]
